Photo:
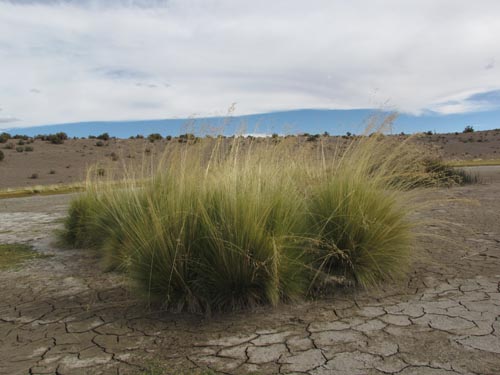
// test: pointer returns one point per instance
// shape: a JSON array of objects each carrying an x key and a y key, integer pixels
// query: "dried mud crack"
[{"x": 63, "y": 315}]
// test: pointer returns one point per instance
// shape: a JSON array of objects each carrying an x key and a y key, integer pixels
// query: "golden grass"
[
  {"x": 219, "y": 225},
  {"x": 474, "y": 163},
  {"x": 41, "y": 190}
]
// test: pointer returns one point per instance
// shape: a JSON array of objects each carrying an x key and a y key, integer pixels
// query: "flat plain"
[{"x": 62, "y": 314}]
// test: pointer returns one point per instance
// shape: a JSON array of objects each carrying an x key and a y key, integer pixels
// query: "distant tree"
[
  {"x": 468, "y": 129},
  {"x": 4, "y": 137},
  {"x": 429, "y": 132},
  {"x": 186, "y": 137},
  {"x": 155, "y": 137},
  {"x": 20, "y": 136},
  {"x": 348, "y": 134},
  {"x": 312, "y": 138},
  {"x": 168, "y": 137},
  {"x": 103, "y": 136},
  {"x": 56, "y": 139}
]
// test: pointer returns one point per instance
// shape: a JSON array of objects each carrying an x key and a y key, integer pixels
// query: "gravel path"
[{"x": 63, "y": 315}]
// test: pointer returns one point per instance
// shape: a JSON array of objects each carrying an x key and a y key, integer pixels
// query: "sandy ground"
[
  {"x": 67, "y": 163},
  {"x": 63, "y": 315}
]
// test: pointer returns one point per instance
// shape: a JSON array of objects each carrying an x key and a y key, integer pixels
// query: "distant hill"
[{"x": 335, "y": 122}]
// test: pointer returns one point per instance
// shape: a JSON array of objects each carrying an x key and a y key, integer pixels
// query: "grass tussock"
[
  {"x": 220, "y": 225},
  {"x": 41, "y": 190},
  {"x": 14, "y": 255},
  {"x": 474, "y": 163}
]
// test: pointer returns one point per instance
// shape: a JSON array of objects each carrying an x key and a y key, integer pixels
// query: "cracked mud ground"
[{"x": 63, "y": 315}]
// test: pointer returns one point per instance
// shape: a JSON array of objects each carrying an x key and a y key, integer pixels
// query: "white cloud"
[{"x": 183, "y": 57}]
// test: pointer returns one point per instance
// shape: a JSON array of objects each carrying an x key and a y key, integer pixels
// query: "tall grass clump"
[
  {"x": 228, "y": 224},
  {"x": 222, "y": 240}
]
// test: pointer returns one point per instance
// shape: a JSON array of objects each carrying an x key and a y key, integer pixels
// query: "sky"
[{"x": 117, "y": 60}]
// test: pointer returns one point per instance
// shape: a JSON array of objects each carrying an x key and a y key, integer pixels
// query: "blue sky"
[{"x": 69, "y": 61}]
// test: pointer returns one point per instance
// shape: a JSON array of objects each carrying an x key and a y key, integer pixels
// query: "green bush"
[
  {"x": 363, "y": 233},
  {"x": 4, "y": 137},
  {"x": 103, "y": 136},
  {"x": 221, "y": 226},
  {"x": 440, "y": 174},
  {"x": 19, "y": 149},
  {"x": 57, "y": 138},
  {"x": 155, "y": 137}
]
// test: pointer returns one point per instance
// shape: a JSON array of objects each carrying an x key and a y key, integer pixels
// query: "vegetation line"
[
  {"x": 474, "y": 163},
  {"x": 41, "y": 190}
]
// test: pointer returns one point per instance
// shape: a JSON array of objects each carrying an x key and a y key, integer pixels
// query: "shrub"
[
  {"x": 103, "y": 136},
  {"x": 312, "y": 138},
  {"x": 78, "y": 223},
  {"x": 34, "y": 176},
  {"x": 438, "y": 173},
  {"x": 99, "y": 143},
  {"x": 196, "y": 247},
  {"x": 9, "y": 146},
  {"x": 221, "y": 226},
  {"x": 187, "y": 137},
  {"x": 19, "y": 149},
  {"x": 28, "y": 148},
  {"x": 155, "y": 137},
  {"x": 20, "y": 142},
  {"x": 20, "y": 136},
  {"x": 363, "y": 233},
  {"x": 2, "y": 156},
  {"x": 4, "y": 137},
  {"x": 468, "y": 129},
  {"x": 52, "y": 171},
  {"x": 56, "y": 139}
]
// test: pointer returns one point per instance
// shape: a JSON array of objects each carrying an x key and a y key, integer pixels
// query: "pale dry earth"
[{"x": 63, "y": 315}]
